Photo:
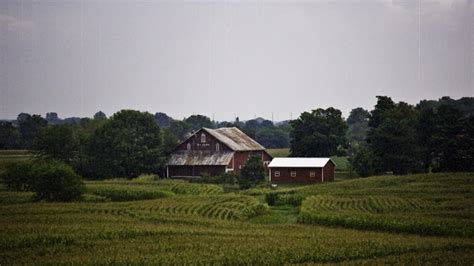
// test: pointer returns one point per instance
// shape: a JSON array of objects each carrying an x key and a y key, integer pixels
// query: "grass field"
[{"x": 413, "y": 219}]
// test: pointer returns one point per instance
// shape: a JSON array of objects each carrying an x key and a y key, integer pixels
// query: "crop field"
[{"x": 388, "y": 219}]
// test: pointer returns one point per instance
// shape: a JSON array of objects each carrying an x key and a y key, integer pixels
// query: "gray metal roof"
[
  {"x": 200, "y": 158},
  {"x": 235, "y": 139}
]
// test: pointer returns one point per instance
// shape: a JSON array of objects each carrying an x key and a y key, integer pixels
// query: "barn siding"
[
  {"x": 196, "y": 170},
  {"x": 303, "y": 174}
]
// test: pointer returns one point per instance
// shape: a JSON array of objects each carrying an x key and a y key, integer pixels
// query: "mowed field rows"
[{"x": 388, "y": 219}]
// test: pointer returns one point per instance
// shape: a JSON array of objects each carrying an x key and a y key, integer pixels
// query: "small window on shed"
[
  {"x": 312, "y": 174},
  {"x": 203, "y": 138},
  {"x": 218, "y": 147},
  {"x": 188, "y": 146},
  {"x": 277, "y": 173},
  {"x": 293, "y": 173}
]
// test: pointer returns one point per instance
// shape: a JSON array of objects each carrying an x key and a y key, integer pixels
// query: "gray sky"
[{"x": 230, "y": 58}]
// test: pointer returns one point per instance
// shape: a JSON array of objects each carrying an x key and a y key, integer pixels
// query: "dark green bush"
[
  {"x": 271, "y": 198},
  {"x": 17, "y": 176},
  {"x": 56, "y": 181}
]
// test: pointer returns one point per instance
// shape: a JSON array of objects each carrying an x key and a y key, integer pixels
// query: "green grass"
[{"x": 379, "y": 220}]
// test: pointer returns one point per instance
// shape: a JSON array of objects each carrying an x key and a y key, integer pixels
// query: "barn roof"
[
  {"x": 299, "y": 162},
  {"x": 235, "y": 139},
  {"x": 200, "y": 158}
]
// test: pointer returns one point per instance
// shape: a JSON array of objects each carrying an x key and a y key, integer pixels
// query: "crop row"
[{"x": 229, "y": 207}]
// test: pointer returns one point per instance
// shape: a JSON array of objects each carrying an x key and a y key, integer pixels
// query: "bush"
[
  {"x": 252, "y": 173},
  {"x": 17, "y": 176},
  {"x": 230, "y": 178},
  {"x": 56, "y": 181},
  {"x": 362, "y": 162}
]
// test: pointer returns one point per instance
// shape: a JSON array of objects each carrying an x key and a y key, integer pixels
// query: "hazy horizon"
[{"x": 234, "y": 58}]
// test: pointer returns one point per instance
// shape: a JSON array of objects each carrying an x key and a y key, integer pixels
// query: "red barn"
[
  {"x": 301, "y": 170},
  {"x": 214, "y": 151}
]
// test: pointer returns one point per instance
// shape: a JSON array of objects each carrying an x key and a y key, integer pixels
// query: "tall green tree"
[
  {"x": 319, "y": 133},
  {"x": 57, "y": 142},
  {"x": 9, "y": 136},
  {"x": 252, "y": 173},
  {"x": 127, "y": 145},
  {"x": 30, "y": 126},
  {"x": 181, "y": 129},
  {"x": 392, "y": 137},
  {"x": 199, "y": 121},
  {"x": 358, "y": 123}
]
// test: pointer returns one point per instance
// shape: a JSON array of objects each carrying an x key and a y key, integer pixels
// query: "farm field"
[{"x": 388, "y": 219}]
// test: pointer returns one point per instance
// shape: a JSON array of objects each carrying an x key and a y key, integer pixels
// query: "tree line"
[{"x": 393, "y": 137}]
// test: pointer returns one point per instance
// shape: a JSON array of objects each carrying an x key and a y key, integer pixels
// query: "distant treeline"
[{"x": 393, "y": 137}]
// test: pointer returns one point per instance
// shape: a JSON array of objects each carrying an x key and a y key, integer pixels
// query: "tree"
[
  {"x": 357, "y": 122},
  {"x": 393, "y": 139},
  {"x": 362, "y": 161},
  {"x": 18, "y": 176},
  {"x": 319, "y": 133},
  {"x": 273, "y": 137},
  {"x": 50, "y": 180},
  {"x": 9, "y": 136},
  {"x": 56, "y": 181},
  {"x": 252, "y": 173},
  {"x": 100, "y": 115},
  {"x": 30, "y": 126},
  {"x": 163, "y": 120},
  {"x": 128, "y": 144},
  {"x": 181, "y": 129},
  {"x": 57, "y": 142},
  {"x": 199, "y": 121},
  {"x": 169, "y": 141}
]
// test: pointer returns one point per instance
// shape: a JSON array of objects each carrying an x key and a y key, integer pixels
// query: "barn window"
[
  {"x": 277, "y": 173},
  {"x": 188, "y": 146},
  {"x": 203, "y": 138},
  {"x": 312, "y": 174},
  {"x": 293, "y": 173},
  {"x": 218, "y": 147}
]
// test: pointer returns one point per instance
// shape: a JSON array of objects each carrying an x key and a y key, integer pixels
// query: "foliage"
[
  {"x": 252, "y": 173},
  {"x": 392, "y": 137},
  {"x": 319, "y": 133},
  {"x": 229, "y": 178},
  {"x": 56, "y": 181},
  {"x": 357, "y": 122},
  {"x": 100, "y": 115},
  {"x": 30, "y": 126},
  {"x": 9, "y": 136},
  {"x": 57, "y": 142},
  {"x": 169, "y": 141},
  {"x": 447, "y": 138},
  {"x": 18, "y": 176},
  {"x": 163, "y": 120},
  {"x": 128, "y": 144},
  {"x": 181, "y": 129},
  {"x": 272, "y": 137},
  {"x": 362, "y": 161},
  {"x": 199, "y": 121}
]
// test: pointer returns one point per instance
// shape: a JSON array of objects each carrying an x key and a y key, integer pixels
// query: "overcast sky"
[{"x": 227, "y": 58}]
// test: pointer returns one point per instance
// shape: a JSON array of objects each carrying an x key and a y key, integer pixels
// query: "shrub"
[
  {"x": 230, "y": 178},
  {"x": 17, "y": 176},
  {"x": 56, "y": 181},
  {"x": 271, "y": 198},
  {"x": 252, "y": 173}
]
